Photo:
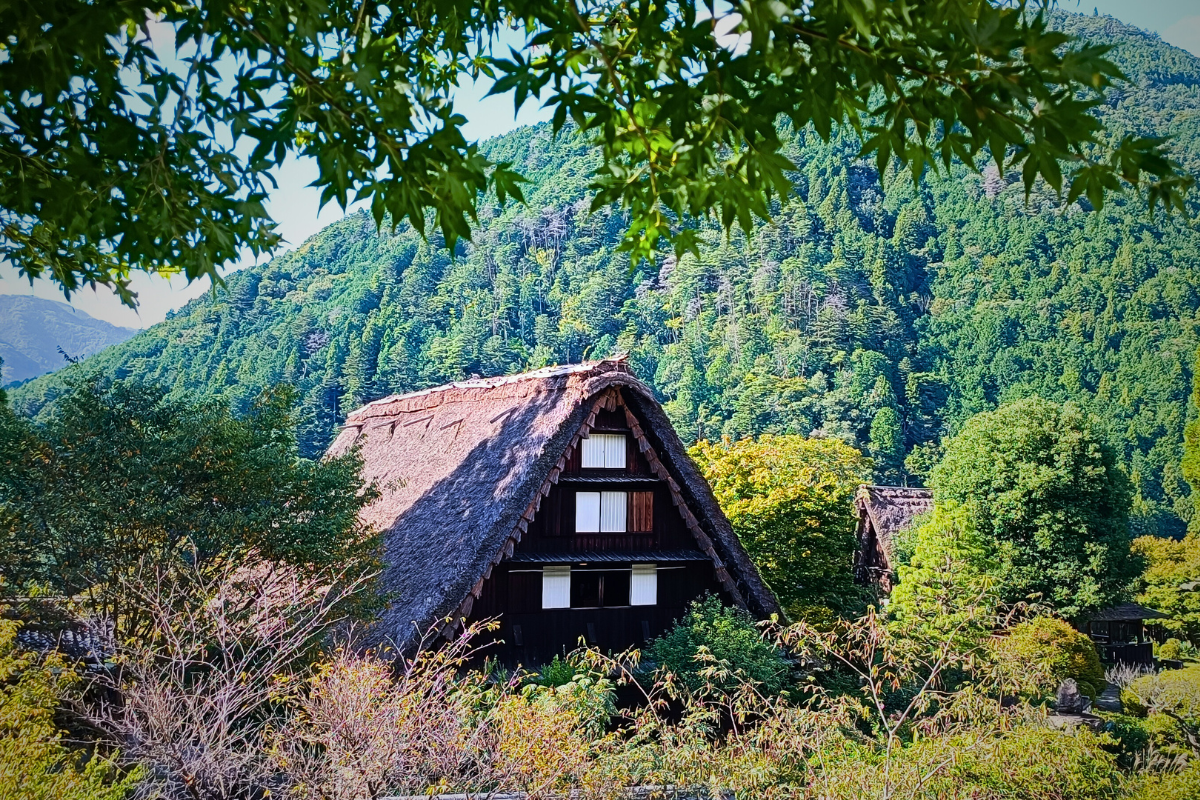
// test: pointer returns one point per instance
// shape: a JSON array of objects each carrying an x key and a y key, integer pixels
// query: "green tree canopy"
[
  {"x": 118, "y": 155},
  {"x": 944, "y": 578},
  {"x": 1042, "y": 483},
  {"x": 789, "y": 501},
  {"x": 1171, "y": 581},
  {"x": 1190, "y": 464},
  {"x": 122, "y": 485}
]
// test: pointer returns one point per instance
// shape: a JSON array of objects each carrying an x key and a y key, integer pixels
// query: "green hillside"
[{"x": 884, "y": 318}]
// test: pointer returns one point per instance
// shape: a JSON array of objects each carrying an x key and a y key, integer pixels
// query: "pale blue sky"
[{"x": 295, "y": 206}]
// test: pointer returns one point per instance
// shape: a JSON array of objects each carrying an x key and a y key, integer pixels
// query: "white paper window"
[
  {"x": 587, "y": 512},
  {"x": 612, "y": 512},
  {"x": 601, "y": 512},
  {"x": 643, "y": 585},
  {"x": 556, "y": 587},
  {"x": 604, "y": 451}
]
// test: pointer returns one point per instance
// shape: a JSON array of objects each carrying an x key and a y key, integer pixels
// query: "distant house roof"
[
  {"x": 892, "y": 509},
  {"x": 462, "y": 469},
  {"x": 1124, "y": 612}
]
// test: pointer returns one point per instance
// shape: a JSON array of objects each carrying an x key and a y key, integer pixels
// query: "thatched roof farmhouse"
[
  {"x": 561, "y": 501},
  {"x": 883, "y": 512}
]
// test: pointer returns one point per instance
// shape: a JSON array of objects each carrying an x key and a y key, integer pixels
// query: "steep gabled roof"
[
  {"x": 883, "y": 512},
  {"x": 892, "y": 509},
  {"x": 462, "y": 468}
]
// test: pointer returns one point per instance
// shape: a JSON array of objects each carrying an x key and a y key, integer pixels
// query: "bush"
[
  {"x": 1170, "y": 702},
  {"x": 34, "y": 764},
  {"x": 1170, "y": 650},
  {"x": 715, "y": 644},
  {"x": 556, "y": 673},
  {"x": 1042, "y": 652},
  {"x": 1184, "y": 785}
]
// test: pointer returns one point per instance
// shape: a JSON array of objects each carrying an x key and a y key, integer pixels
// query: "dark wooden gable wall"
[{"x": 600, "y": 562}]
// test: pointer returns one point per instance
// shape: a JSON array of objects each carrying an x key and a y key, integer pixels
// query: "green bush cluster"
[
  {"x": 35, "y": 763},
  {"x": 1042, "y": 652},
  {"x": 719, "y": 645},
  {"x": 1171, "y": 649}
]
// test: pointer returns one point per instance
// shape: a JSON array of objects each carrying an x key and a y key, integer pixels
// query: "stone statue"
[{"x": 1069, "y": 700}]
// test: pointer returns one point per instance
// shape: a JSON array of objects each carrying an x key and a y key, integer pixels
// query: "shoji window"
[
  {"x": 556, "y": 587},
  {"x": 604, "y": 451},
  {"x": 643, "y": 585},
  {"x": 600, "y": 512}
]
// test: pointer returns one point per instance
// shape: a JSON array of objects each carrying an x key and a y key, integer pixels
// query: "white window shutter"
[
  {"x": 587, "y": 512},
  {"x": 612, "y": 512},
  {"x": 614, "y": 451},
  {"x": 604, "y": 451},
  {"x": 643, "y": 585},
  {"x": 556, "y": 587},
  {"x": 593, "y": 452}
]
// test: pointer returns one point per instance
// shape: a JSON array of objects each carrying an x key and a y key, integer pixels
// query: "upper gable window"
[{"x": 604, "y": 451}]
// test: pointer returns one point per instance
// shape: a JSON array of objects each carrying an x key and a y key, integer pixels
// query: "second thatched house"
[
  {"x": 560, "y": 501},
  {"x": 883, "y": 512}
]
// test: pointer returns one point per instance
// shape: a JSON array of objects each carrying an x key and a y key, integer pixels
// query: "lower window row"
[{"x": 563, "y": 587}]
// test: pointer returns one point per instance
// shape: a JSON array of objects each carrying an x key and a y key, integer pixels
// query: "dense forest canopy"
[{"x": 881, "y": 317}]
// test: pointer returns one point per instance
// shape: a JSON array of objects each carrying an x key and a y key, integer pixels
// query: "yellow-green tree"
[
  {"x": 789, "y": 498},
  {"x": 1171, "y": 581},
  {"x": 945, "y": 584}
]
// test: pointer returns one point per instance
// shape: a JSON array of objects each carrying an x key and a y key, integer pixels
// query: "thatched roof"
[
  {"x": 1124, "y": 612},
  {"x": 892, "y": 509},
  {"x": 462, "y": 469}
]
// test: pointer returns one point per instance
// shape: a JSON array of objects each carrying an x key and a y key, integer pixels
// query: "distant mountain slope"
[
  {"x": 883, "y": 318},
  {"x": 32, "y": 330}
]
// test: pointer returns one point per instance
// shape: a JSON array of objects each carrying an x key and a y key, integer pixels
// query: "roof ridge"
[{"x": 617, "y": 363}]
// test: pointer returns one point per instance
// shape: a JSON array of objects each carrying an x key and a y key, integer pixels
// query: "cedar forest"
[{"x": 881, "y": 316}]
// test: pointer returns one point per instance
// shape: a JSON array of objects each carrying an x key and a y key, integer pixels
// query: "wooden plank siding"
[
  {"x": 514, "y": 595},
  {"x": 530, "y": 635}
]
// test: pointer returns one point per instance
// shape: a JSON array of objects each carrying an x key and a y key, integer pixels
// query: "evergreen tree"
[{"x": 1041, "y": 483}]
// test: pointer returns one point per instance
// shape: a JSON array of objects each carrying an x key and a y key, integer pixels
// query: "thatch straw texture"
[
  {"x": 462, "y": 468},
  {"x": 892, "y": 509}
]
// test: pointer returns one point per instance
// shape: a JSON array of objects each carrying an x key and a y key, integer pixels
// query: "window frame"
[
  {"x": 608, "y": 509},
  {"x": 613, "y": 451}
]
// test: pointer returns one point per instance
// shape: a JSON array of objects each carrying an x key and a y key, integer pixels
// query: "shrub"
[
  {"x": 1183, "y": 785},
  {"x": 34, "y": 764},
  {"x": 557, "y": 673},
  {"x": 1170, "y": 650},
  {"x": 1170, "y": 701},
  {"x": 714, "y": 643},
  {"x": 1042, "y": 652}
]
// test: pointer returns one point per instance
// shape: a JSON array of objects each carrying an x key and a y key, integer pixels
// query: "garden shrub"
[
  {"x": 34, "y": 763},
  {"x": 1042, "y": 652},
  {"x": 1171, "y": 649},
  {"x": 716, "y": 644},
  {"x": 557, "y": 673},
  {"x": 1028, "y": 762},
  {"x": 1182, "y": 785}
]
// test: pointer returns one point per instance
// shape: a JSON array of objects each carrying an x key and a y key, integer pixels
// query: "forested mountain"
[
  {"x": 32, "y": 331},
  {"x": 881, "y": 317}
]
